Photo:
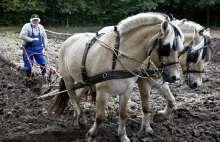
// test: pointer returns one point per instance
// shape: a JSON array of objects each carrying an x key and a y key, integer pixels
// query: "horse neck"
[{"x": 138, "y": 42}]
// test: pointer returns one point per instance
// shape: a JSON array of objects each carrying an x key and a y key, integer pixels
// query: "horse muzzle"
[{"x": 169, "y": 78}]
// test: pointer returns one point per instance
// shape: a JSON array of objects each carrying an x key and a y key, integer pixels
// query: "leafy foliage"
[{"x": 103, "y": 12}]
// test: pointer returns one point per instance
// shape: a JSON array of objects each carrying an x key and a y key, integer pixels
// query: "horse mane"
[
  {"x": 141, "y": 19},
  {"x": 189, "y": 25}
]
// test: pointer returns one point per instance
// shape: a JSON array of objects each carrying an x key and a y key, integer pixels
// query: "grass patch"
[
  {"x": 58, "y": 29},
  {"x": 10, "y": 28},
  {"x": 75, "y": 29}
]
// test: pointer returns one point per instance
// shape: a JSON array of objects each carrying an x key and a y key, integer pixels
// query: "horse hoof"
[
  {"x": 82, "y": 122},
  {"x": 148, "y": 130},
  {"x": 89, "y": 138},
  {"x": 82, "y": 126},
  {"x": 124, "y": 139},
  {"x": 160, "y": 117}
]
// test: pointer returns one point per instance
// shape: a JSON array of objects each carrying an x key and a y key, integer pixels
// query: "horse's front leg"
[
  {"x": 145, "y": 89},
  {"x": 166, "y": 113},
  {"x": 101, "y": 103}
]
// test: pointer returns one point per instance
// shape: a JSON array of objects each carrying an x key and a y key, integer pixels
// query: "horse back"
[{"x": 99, "y": 57}]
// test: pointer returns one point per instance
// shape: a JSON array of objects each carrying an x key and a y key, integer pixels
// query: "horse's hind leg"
[
  {"x": 80, "y": 94},
  {"x": 165, "y": 114},
  {"x": 75, "y": 102},
  {"x": 101, "y": 103},
  {"x": 123, "y": 101},
  {"x": 145, "y": 89}
]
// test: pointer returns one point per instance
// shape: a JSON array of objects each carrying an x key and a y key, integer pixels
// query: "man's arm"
[
  {"x": 44, "y": 38},
  {"x": 24, "y": 34}
]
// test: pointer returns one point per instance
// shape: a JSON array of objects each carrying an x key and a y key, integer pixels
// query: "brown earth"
[{"x": 24, "y": 118}]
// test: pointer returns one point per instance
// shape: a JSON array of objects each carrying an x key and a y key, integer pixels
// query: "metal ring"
[{"x": 104, "y": 75}]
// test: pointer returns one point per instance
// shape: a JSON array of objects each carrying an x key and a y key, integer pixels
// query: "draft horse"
[{"x": 111, "y": 64}]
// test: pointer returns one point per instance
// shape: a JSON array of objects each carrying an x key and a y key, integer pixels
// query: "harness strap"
[
  {"x": 151, "y": 50},
  {"x": 109, "y": 75},
  {"x": 115, "y": 53},
  {"x": 194, "y": 71},
  {"x": 83, "y": 68},
  {"x": 187, "y": 48},
  {"x": 168, "y": 64}
]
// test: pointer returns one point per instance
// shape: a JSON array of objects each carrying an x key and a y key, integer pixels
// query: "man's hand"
[
  {"x": 21, "y": 47},
  {"x": 35, "y": 39},
  {"x": 46, "y": 48}
]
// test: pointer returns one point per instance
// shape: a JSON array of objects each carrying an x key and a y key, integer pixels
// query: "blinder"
[
  {"x": 193, "y": 57},
  {"x": 204, "y": 53},
  {"x": 164, "y": 49}
]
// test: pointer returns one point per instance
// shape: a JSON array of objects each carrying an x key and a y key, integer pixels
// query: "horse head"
[
  {"x": 196, "y": 55},
  {"x": 165, "y": 56}
]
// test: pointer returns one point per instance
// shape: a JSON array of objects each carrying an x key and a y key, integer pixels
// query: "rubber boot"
[
  {"x": 28, "y": 73},
  {"x": 43, "y": 70}
]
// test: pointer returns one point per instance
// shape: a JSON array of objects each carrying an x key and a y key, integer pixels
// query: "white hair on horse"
[
  {"x": 150, "y": 18},
  {"x": 138, "y": 20},
  {"x": 171, "y": 35},
  {"x": 192, "y": 26},
  {"x": 197, "y": 47}
]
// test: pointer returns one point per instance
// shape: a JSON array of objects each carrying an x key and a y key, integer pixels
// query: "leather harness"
[{"x": 114, "y": 74}]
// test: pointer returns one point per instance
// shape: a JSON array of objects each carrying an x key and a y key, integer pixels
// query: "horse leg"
[
  {"x": 75, "y": 102},
  {"x": 123, "y": 101},
  {"x": 145, "y": 89},
  {"x": 101, "y": 104},
  {"x": 170, "y": 103},
  {"x": 80, "y": 94}
]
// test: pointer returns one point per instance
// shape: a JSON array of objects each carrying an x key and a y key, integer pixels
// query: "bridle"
[
  {"x": 164, "y": 50},
  {"x": 192, "y": 57}
]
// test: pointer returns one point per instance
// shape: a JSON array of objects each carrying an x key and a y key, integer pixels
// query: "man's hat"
[{"x": 35, "y": 16}]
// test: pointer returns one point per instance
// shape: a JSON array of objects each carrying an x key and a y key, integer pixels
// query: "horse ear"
[
  {"x": 167, "y": 18},
  {"x": 171, "y": 17},
  {"x": 207, "y": 32},
  {"x": 181, "y": 22},
  {"x": 164, "y": 26},
  {"x": 196, "y": 36}
]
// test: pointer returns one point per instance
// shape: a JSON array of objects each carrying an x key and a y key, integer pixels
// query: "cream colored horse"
[
  {"x": 138, "y": 34},
  {"x": 194, "y": 79}
]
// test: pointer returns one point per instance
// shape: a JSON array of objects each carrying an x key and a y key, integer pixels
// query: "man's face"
[{"x": 35, "y": 22}]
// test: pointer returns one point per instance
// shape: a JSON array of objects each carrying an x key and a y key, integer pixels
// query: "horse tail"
[{"x": 61, "y": 100}]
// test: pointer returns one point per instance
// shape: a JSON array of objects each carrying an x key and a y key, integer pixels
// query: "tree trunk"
[{"x": 207, "y": 15}]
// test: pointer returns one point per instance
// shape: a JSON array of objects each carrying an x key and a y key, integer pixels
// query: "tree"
[
  {"x": 23, "y": 5},
  {"x": 208, "y": 5}
]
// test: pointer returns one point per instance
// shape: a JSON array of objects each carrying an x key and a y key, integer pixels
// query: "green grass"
[
  {"x": 10, "y": 28},
  {"x": 96, "y": 28},
  {"x": 57, "y": 29}
]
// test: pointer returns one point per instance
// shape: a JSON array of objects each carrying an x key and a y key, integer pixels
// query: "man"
[{"x": 33, "y": 37}]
